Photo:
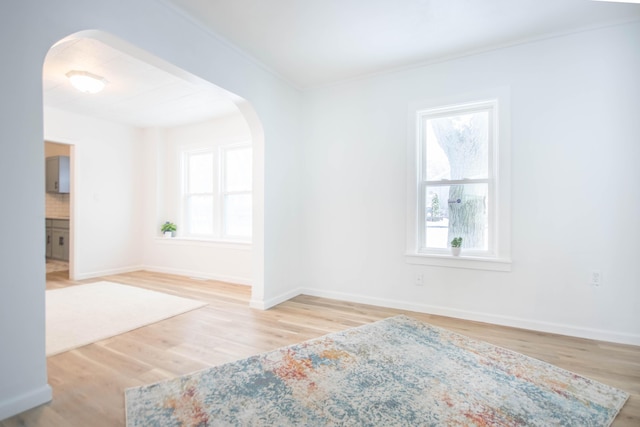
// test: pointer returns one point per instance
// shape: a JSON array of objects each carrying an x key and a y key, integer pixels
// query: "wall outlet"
[
  {"x": 419, "y": 279},
  {"x": 596, "y": 278}
]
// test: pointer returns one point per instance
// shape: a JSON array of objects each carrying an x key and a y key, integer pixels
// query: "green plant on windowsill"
[
  {"x": 168, "y": 229},
  {"x": 456, "y": 243}
]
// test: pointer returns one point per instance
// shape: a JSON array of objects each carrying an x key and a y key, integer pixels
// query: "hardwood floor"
[{"x": 89, "y": 382}]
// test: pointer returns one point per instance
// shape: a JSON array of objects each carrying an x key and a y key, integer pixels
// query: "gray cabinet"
[
  {"x": 57, "y": 171},
  {"x": 49, "y": 241},
  {"x": 58, "y": 239}
]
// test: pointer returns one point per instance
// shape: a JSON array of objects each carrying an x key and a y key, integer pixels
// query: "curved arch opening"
[{"x": 126, "y": 163}]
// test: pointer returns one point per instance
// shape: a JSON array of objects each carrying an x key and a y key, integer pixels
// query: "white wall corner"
[{"x": 25, "y": 401}]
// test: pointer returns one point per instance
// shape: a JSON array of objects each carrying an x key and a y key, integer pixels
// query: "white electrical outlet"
[
  {"x": 596, "y": 278},
  {"x": 419, "y": 279}
]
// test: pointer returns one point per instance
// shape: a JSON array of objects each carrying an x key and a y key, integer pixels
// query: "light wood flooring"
[{"x": 89, "y": 382}]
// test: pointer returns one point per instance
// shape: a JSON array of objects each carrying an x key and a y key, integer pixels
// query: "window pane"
[
  {"x": 200, "y": 214},
  {"x": 457, "y": 147},
  {"x": 237, "y": 171},
  {"x": 456, "y": 211},
  {"x": 237, "y": 215},
  {"x": 200, "y": 172}
]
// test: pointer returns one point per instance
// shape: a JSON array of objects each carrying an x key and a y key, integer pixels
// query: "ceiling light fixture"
[{"x": 86, "y": 82}]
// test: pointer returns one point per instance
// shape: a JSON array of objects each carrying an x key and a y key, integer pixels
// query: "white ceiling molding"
[{"x": 313, "y": 43}]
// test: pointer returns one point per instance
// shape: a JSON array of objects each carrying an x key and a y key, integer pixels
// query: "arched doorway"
[{"x": 91, "y": 207}]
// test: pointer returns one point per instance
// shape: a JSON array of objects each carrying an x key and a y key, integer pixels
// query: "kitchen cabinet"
[
  {"x": 57, "y": 171},
  {"x": 49, "y": 241},
  {"x": 58, "y": 239}
]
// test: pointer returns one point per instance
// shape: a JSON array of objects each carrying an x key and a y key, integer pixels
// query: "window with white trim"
[
  {"x": 236, "y": 194},
  {"x": 460, "y": 183},
  {"x": 217, "y": 196}
]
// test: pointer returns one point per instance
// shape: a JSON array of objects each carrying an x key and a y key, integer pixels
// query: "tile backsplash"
[{"x": 57, "y": 205}]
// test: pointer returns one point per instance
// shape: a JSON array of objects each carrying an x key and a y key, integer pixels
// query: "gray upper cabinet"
[{"x": 58, "y": 174}]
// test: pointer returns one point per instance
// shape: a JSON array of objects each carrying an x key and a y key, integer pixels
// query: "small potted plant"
[
  {"x": 168, "y": 229},
  {"x": 456, "y": 243}
]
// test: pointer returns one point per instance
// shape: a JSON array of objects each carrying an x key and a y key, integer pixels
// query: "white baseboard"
[
  {"x": 514, "y": 322},
  {"x": 198, "y": 274},
  {"x": 272, "y": 302},
  {"x": 100, "y": 273},
  {"x": 25, "y": 401}
]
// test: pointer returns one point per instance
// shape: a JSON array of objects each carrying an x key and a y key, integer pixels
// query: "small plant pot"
[
  {"x": 455, "y": 251},
  {"x": 168, "y": 234}
]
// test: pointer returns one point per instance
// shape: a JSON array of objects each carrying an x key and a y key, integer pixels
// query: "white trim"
[
  {"x": 462, "y": 261},
  {"x": 218, "y": 193},
  {"x": 236, "y": 280},
  {"x": 500, "y": 212},
  {"x": 423, "y": 116},
  {"x": 513, "y": 322},
  {"x": 211, "y": 243},
  {"x": 272, "y": 302},
  {"x": 475, "y": 52},
  {"x": 25, "y": 401},
  {"x": 110, "y": 272},
  {"x": 196, "y": 21},
  {"x": 223, "y": 151},
  {"x": 185, "y": 155}
]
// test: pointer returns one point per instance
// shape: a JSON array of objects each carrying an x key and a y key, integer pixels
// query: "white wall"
[
  {"x": 575, "y": 203},
  {"x": 225, "y": 261},
  {"x": 107, "y": 215},
  {"x": 27, "y": 30}
]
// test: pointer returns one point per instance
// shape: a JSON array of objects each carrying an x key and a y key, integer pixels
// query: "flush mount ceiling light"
[{"x": 86, "y": 82}]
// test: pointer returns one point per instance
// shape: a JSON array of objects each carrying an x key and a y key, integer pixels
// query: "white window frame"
[
  {"x": 186, "y": 153},
  {"x": 498, "y": 255},
  {"x": 224, "y": 192},
  {"x": 218, "y": 234}
]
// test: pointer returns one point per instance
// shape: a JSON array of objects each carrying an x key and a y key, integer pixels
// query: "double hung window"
[
  {"x": 457, "y": 180},
  {"x": 459, "y": 184},
  {"x": 217, "y": 196},
  {"x": 236, "y": 192}
]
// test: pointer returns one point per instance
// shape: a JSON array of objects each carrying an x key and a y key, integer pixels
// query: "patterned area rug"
[{"x": 395, "y": 372}]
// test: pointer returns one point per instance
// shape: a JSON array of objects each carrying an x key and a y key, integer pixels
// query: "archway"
[{"x": 243, "y": 107}]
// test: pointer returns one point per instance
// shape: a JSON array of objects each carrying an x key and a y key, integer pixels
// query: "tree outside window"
[{"x": 456, "y": 184}]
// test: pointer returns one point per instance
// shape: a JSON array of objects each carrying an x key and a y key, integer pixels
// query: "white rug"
[{"x": 83, "y": 314}]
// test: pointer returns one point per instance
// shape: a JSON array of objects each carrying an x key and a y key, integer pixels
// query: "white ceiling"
[
  {"x": 138, "y": 94},
  {"x": 310, "y": 43},
  {"x": 313, "y": 43}
]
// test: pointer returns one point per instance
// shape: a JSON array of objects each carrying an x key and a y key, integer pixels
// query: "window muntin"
[{"x": 456, "y": 178}]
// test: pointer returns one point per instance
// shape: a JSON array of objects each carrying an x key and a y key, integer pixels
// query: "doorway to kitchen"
[{"x": 58, "y": 209}]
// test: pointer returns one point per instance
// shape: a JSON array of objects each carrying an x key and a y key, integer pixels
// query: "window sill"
[
  {"x": 462, "y": 261},
  {"x": 194, "y": 241}
]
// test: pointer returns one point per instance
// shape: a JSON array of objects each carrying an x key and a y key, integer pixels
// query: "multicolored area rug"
[{"x": 395, "y": 372}]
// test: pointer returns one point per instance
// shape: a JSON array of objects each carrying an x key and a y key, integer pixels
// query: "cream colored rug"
[{"x": 83, "y": 314}]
